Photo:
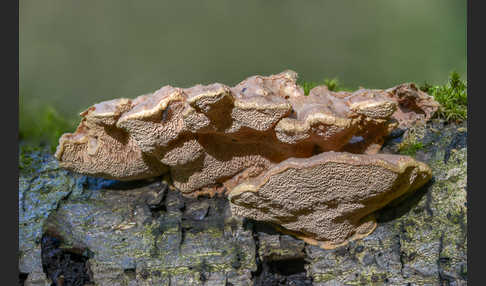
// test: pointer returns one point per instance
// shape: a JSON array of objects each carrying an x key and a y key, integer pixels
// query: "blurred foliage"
[
  {"x": 452, "y": 97},
  {"x": 73, "y": 54}
]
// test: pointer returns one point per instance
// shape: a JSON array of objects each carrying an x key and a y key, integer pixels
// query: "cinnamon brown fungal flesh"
[{"x": 211, "y": 138}]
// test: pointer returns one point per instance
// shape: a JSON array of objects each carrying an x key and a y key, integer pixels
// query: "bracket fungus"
[
  {"x": 328, "y": 199},
  {"x": 215, "y": 138}
]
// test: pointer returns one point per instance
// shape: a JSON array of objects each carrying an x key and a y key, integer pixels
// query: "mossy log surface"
[{"x": 87, "y": 231}]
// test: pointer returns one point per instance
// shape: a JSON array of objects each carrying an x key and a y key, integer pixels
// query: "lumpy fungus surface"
[{"x": 308, "y": 163}]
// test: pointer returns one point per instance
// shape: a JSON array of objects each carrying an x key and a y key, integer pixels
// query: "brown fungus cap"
[
  {"x": 327, "y": 199},
  {"x": 213, "y": 136},
  {"x": 98, "y": 148},
  {"x": 413, "y": 104}
]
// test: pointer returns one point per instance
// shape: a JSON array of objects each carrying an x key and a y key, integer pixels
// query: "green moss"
[
  {"x": 452, "y": 97},
  {"x": 411, "y": 142},
  {"x": 25, "y": 160},
  {"x": 43, "y": 126},
  {"x": 411, "y": 149},
  {"x": 332, "y": 85},
  {"x": 28, "y": 157}
]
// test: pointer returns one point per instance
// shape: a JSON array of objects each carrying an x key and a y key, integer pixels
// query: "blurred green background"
[{"x": 76, "y": 53}]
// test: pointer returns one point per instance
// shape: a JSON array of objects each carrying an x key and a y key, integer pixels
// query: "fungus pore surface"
[
  {"x": 261, "y": 141},
  {"x": 328, "y": 199}
]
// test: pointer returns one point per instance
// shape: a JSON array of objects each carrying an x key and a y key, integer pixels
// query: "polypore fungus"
[
  {"x": 206, "y": 135},
  {"x": 211, "y": 138},
  {"x": 327, "y": 199}
]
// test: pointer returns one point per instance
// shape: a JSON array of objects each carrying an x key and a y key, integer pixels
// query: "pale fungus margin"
[{"x": 220, "y": 139}]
